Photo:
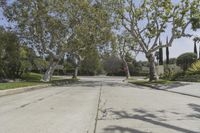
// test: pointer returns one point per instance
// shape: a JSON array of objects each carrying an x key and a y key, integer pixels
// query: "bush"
[
  {"x": 13, "y": 60},
  {"x": 177, "y": 76},
  {"x": 185, "y": 60},
  {"x": 188, "y": 78},
  {"x": 195, "y": 68}
]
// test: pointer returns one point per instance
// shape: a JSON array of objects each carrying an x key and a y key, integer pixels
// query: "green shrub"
[
  {"x": 185, "y": 60},
  {"x": 189, "y": 78},
  {"x": 177, "y": 76},
  {"x": 195, "y": 68}
]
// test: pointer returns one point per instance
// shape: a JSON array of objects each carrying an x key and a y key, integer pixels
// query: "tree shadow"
[
  {"x": 196, "y": 108},
  {"x": 100, "y": 83},
  {"x": 169, "y": 88},
  {"x": 143, "y": 115},
  {"x": 170, "y": 85},
  {"x": 119, "y": 129}
]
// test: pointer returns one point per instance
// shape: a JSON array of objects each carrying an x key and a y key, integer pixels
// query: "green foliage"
[
  {"x": 195, "y": 15},
  {"x": 113, "y": 65},
  {"x": 177, "y": 76},
  {"x": 148, "y": 20},
  {"x": 54, "y": 28},
  {"x": 39, "y": 64},
  {"x": 151, "y": 84},
  {"x": 191, "y": 75},
  {"x": 14, "y": 57},
  {"x": 186, "y": 77},
  {"x": 185, "y": 60},
  {"x": 91, "y": 64},
  {"x": 195, "y": 68},
  {"x": 32, "y": 77}
]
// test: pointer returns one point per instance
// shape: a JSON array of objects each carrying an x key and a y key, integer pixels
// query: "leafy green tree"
[
  {"x": 150, "y": 20},
  {"x": 185, "y": 60},
  {"x": 113, "y": 65},
  {"x": 94, "y": 33},
  {"x": 195, "y": 20},
  {"x": 14, "y": 57},
  {"x": 40, "y": 64},
  {"x": 2, "y": 51},
  {"x": 91, "y": 64},
  {"x": 57, "y": 27}
]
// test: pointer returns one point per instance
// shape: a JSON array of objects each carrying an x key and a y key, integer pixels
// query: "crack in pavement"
[{"x": 98, "y": 107}]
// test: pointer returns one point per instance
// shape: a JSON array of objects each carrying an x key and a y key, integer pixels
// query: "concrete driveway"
[{"x": 122, "y": 108}]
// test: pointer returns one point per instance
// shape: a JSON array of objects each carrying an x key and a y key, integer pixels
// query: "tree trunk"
[
  {"x": 77, "y": 62},
  {"x": 48, "y": 74},
  {"x": 75, "y": 76},
  {"x": 126, "y": 69},
  {"x": 152, "y": 68},
  {"x": 167, "y": 55}
]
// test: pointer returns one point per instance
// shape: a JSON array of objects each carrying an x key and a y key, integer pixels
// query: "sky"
[{"x": 179, "y": 46}]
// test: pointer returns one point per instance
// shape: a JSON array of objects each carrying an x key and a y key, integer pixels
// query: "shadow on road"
[
  {"x": 145, "y": 116},
  {"x": 102, "y": 83},
  {"x": 119, "y": 129},
  {"x": 196, "y": 108},
  {"x": 171, "y": 85},
  {"x": 170, "y": 88}
]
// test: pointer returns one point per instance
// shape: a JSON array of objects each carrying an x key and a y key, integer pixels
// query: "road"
[{"x": 119, "y": 107}]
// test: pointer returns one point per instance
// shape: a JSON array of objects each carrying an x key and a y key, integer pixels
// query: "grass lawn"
[
  {"x": 31, "y": 79},
  {"x": 35, "y": 77},
  {"x": 4, "y": 86}
]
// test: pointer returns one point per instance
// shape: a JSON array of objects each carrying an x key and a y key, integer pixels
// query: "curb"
[
  {"x": 22, "y": 89},
  {"x": 157, "y": 88}
]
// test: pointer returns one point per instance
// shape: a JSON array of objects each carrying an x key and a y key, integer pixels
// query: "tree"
[
  {"x": 94, "y": 33},
  {"x": 196, "y": 40},
  {"x": 195, "y": 45},
  {"x": 2, "y": 46},
  {"x": 124, "y": 46},
  {"x": 199, "y": 52},
  {"x": 195, "y": 21},
  {"x": 151, "y": 20},
  {"x": 91, "y": 65},
  {"x": 13, "y": 56},
  {"x": 39, "y": 27},
  {"x": 160, "y": 55},
  {"x": 52, "y": 27},
  {"x": 167, "y": 55},
  {"x": 113, "y": 65},
  {"x": 185, "y": 60}
]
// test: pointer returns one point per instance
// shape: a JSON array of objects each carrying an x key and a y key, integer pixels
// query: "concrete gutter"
[{"x": 22, "y": 89}]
